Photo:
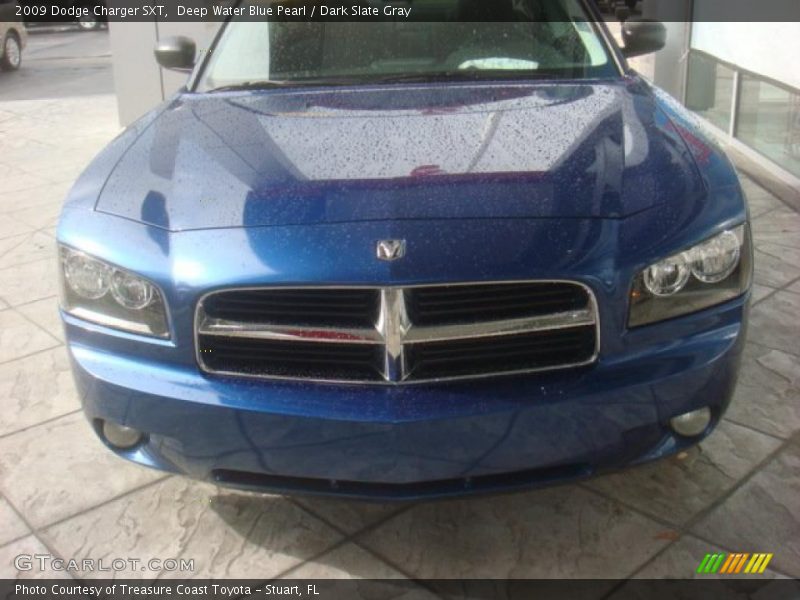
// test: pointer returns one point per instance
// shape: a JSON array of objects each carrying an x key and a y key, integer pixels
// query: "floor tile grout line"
[
  {"x": 778, "y": 240},
  {"x": 384, "y": 559},
  {"x": 767, "y": 213},
  {"x": 34, "y": 187},
  {"x": 768, "y": 347},
  {"x": 25, "y": 262},
  {"x": 786, "y": 203},
  {"x": 17, "y": 234},
  {"x": 769, "y": 295},
  {"x": 353, "y": 537},
  {"x": 297, "y": 503},
  {"x": 740, "y": 483},
  {"x": 38, "y": 260},
  {"x": 35, "y": 324},
  {"x": 29, "y": 302},
  {"x": 32, "y": 529},
  {"x": 21, "y": 518},
  {"x": 104, "y": 503},
  {"x": 643, "y": 565},
  {"x": 681, "y": 529},
  {"x": 357, "y": 536},
  {"x": 782, "y": 206},
  {"x": 34, "y": 229},
  {"x": 785, "y": 287},
  {"x": 308, "y": 560},
  {"x": 756, "y": 429},
  {"x": 351, "y": 540},
  {"x": 39, "y": 423},
  {"x": 776, "y": 438},
  {"x": 346, "y": 538},
  {"x": 760, "y": 245},
  {"x": 30, "y": 354},
  {"x": 584, "y": 485},
  {"x": 686, "y": 527},
  {"x": 16, "y": 539},
  {"x": 25, "y": 234}
]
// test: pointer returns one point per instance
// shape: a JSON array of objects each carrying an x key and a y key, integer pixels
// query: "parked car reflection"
[{"x": 12, "y": 36}]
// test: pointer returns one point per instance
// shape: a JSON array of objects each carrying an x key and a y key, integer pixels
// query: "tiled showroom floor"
[{"x": 64, "y": 494}]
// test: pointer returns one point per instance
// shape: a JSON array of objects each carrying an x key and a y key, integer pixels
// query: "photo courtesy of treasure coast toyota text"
[{"x": 420, "y": 299}]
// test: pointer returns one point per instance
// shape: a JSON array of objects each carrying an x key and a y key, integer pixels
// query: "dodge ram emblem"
[{"x": 390, "y": 250}]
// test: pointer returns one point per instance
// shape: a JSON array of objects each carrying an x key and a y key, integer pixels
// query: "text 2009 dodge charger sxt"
[{"x": 414, "y": 259}]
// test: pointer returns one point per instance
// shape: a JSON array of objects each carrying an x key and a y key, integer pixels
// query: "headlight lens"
[
  {"x": 717, "y": 258},
  {"x": 86, "y": 276},
  {"x": 710, "y": 273},
  {"x": 667, "y": 276},
  {"x": 96, "y": 291},
  {"x": 131, "y": 291}
]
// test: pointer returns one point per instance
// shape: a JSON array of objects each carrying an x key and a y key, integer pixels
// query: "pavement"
[{"x": 63, "y": 494}]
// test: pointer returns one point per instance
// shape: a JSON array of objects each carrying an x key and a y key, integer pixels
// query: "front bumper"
[{"x": 408, "y": 442}]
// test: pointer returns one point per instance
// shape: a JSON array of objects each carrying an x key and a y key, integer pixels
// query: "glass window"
[
  {"x": 709, "y": 90},
  {"x": 536, "y": 39},
  {"x": 769, "y": 121}
]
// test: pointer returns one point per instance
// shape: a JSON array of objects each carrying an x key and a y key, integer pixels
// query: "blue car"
[{"x": 467, "y": 252}]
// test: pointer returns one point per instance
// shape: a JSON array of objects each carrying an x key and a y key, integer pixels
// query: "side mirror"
[
  {"x": 176, "y": 53},
  {"x": 642, "y": 36}
]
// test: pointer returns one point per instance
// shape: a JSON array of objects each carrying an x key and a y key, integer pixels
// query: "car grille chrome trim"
[{"x": 393, "y": 333}]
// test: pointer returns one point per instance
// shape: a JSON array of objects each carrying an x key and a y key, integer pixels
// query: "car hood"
[{"x": 330, "y": 155}]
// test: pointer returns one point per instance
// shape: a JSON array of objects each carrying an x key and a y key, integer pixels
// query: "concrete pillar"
[
  {"x": 669, "y": 65},
  {"x": 139, "y": 82}
]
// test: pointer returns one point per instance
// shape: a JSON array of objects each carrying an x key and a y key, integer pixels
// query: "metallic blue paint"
[{"x": 590, "y": 181}]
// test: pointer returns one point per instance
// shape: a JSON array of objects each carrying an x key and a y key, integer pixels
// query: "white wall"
[{"x": 770, "y": 49}]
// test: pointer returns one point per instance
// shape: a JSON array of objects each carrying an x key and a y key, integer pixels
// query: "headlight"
[
  {"x": 710, "y": 273},
  {"x": 101, "y": 293}
]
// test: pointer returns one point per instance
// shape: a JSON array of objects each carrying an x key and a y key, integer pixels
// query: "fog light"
[
  {"x": 120, "y": 436},
  {"x": 691, "y": 423}
]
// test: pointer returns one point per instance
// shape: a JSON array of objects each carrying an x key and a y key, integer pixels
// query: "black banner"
[
  {"x": 376, "y": 589},
  {"x": 36, "y": 11}
]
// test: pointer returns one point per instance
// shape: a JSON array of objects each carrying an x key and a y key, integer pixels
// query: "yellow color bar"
[
  {"x": 765, "y": 563},
  {"x": 753, "y": 564}
]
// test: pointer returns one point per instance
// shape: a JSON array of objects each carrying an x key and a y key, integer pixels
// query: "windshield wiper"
[
  {"x": 435, "y": 76},
  {"x": 464, "y": 75},
  {"x": 249, "y": 85},
  {"x": 270, "y": 84}
]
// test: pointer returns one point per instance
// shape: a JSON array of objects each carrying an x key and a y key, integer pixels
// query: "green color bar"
[
  {"x": 701, "y": 568},
  {"x": 718, "y": 564},
  {"x": 711, "y": 563}
]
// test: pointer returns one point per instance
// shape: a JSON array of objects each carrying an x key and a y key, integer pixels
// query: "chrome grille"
[{"x": 397, "y": 334}]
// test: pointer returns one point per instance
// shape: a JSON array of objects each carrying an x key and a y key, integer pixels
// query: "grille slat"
[
  {"x": 470, "y": 295},
  {"x": 282, "y": 359},
  {"x": 512, "y": 353},
  {"x": 504, "y": 344},
  {"x": 481, "y": 302},
  {"x": 444, "y": 332},
  {"x": 340, "y": 307}
]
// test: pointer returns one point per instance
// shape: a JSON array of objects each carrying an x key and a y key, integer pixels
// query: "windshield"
[{"x": 539, "y": 39}]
